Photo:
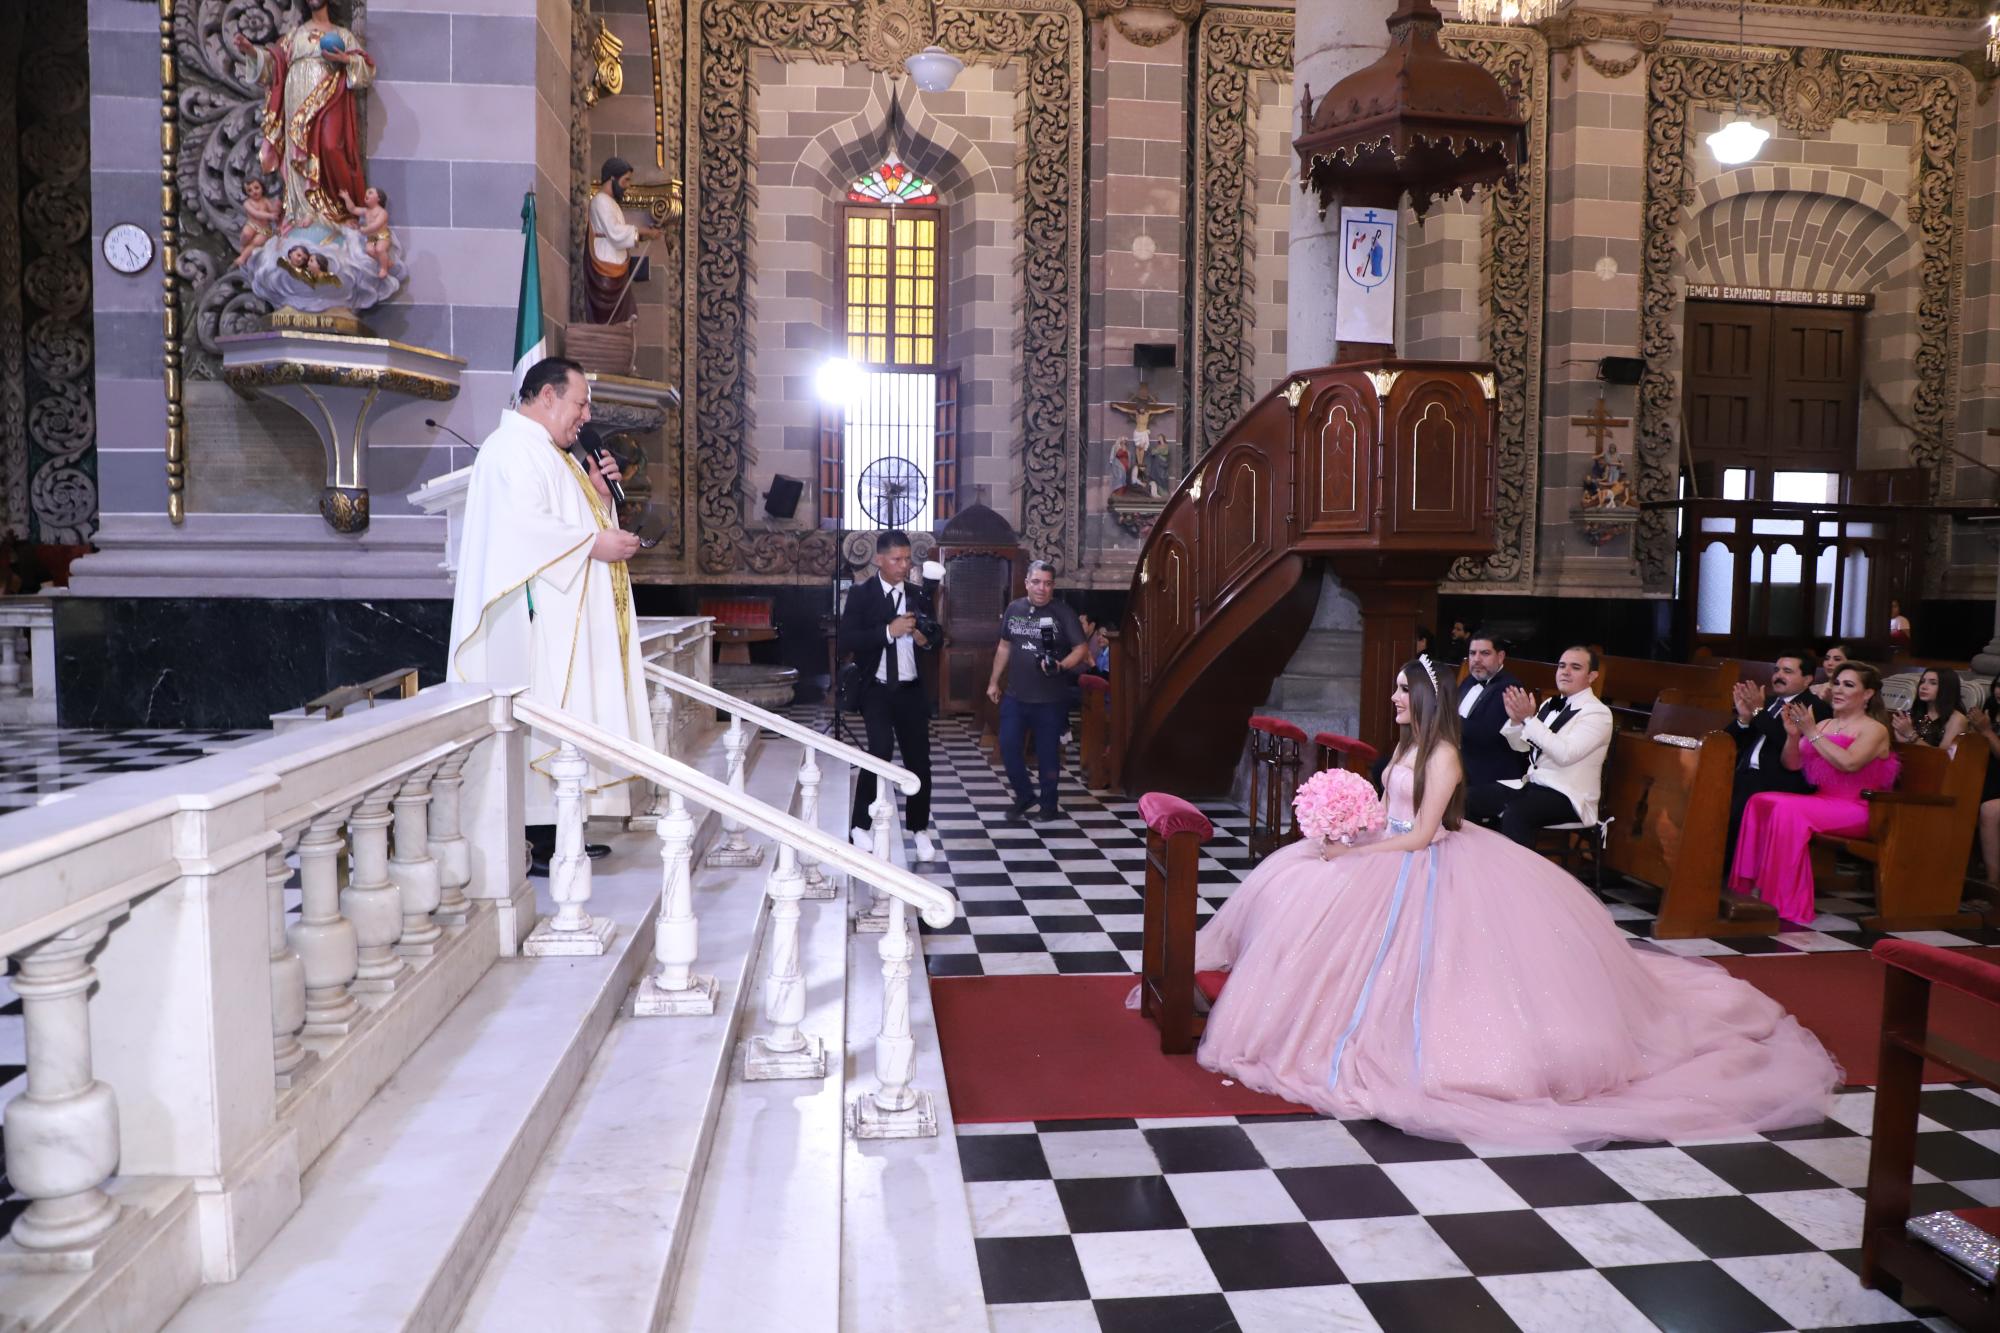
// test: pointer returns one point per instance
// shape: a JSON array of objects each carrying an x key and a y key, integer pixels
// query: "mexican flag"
[{"x": 530, "y": 345}]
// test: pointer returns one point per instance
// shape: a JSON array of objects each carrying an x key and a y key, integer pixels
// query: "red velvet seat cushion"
[
  {"x": 1986, "y": 1219},
  {"x": 1096, "y": 684},
  {"x": 1277, "y": 726},
  {"x": 1211, "y": 984},
  {"x": 1167, "y": 815},
  {"x": 1348, "y": 745},
  {"x": 1947, "y": 967}
]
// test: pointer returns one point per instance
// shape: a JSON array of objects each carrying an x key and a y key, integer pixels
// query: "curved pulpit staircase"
[{"x": 1378, "y": 471}]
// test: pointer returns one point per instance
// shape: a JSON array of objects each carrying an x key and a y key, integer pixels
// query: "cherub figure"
[
  {"x": 317, "y": 271},
  {"x": 372, "y": 215},
  {"x": 294, "y": 263},
  {"x": 261, "y": 216}
]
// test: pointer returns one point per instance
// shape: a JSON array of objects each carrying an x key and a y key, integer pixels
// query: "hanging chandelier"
[
  {"x": 1738, "y": 141},
  {"x": 1525, "y": 12}
]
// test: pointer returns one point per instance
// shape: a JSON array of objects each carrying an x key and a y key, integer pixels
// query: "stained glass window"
[
  {"x": 893, "y": 182},
  {"x": 892, "y": 287}
]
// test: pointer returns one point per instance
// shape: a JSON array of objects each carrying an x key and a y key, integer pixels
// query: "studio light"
[
  {"x": 837, "y": 381},
  {"x": 934, "y": 69}
]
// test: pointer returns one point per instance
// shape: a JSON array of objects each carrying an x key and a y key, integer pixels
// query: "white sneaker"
[
  {"x": 860, "y": 838},
  {"x": 926, "y": 849}
]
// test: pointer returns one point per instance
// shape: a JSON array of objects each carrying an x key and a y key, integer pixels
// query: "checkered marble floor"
[{"x": 39, "y": 762}]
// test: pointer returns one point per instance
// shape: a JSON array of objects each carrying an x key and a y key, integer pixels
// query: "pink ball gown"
[
  {"x": 1773, "y": 851},
  {"x": 1477, "y": 992}
]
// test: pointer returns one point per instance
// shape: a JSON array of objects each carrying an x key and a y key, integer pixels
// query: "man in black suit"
[
  {"x": 878, "y": 628},
  {"x": 1482, "y": 712},
  {"x": 1759, "y": 733}
]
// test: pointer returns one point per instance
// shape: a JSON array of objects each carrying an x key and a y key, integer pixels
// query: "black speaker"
[
  {"x": 782, "y": 500},
  {"x": 1153, "y": 356},
  {"x": 1621, "y": 369}
]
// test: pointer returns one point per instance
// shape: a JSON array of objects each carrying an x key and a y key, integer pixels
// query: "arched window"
[{"x": 899, "y": 419}]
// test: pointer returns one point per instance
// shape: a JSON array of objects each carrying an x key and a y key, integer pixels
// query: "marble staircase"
[{"x": 1318, "y": 688}]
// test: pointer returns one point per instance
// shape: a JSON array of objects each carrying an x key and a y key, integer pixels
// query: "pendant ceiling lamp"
[
  {"x": 1738, "y": 141},
  {"x": 1507, "y": 11},
  {"x": 934, "y": 69}
]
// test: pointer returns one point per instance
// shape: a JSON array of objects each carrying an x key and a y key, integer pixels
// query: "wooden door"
[
  {"x": 1725, "y": 379},
  {"x": 1815, "y": 388}
]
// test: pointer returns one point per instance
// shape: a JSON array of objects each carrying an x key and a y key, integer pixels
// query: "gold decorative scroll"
[
  {"x": 607, "y": 77},
  {"x": 659, "y": 84}
]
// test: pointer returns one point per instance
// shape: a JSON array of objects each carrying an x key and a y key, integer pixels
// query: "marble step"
[
  {"x": 773, "y": 1183},
  {"x": 906, "y": 1254},
  {"x": 599, "y": 1232},
  {"x": 400, "y": 1212}
]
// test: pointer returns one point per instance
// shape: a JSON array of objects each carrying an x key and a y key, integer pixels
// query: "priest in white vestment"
[{"x": 543, "y": 596}]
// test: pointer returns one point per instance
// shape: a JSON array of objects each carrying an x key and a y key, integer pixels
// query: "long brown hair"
[
  {"x": 1433, "y": 723},
  {"x": 1871, "y": 679}
]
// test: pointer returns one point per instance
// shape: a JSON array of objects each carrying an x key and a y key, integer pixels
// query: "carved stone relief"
[
  {"x": 1046, "y": 37},
  {"x": 51, "y": 299},
  {"x": 1571, "y": 34},
  {"x": 1803, "y": 89}
]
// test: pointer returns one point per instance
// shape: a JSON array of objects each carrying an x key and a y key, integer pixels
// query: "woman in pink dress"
[
  {"x": 1842, "y": 757},
  {"x": 1458, "y": 986}
]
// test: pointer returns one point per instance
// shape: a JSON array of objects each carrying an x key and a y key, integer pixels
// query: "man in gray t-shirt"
[{"x": 1040, "y": 639}]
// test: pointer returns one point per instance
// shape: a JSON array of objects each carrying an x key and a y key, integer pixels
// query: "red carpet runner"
[{"x": 1067, "y": 1048}]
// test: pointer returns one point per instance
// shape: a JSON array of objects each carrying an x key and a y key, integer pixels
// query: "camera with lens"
[
  {"x": 1047, "y": 657},
  {"x": 927, "y": 625}
]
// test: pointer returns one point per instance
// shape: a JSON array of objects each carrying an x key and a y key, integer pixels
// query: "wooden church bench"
[
  {"x": 1093, "y": 733},
  {"x": 1175, "y": 832},
  {"x": 1630, "y": 685},
  {"x": 1670, "y": 813},
  {"x": 1919, "y": 838},
  {"x": 1890, "y": 1256}
]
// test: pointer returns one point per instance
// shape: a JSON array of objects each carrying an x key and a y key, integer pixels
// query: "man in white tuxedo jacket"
[{"x": 1566, "y": 739}]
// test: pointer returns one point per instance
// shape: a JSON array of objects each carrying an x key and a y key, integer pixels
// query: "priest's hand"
[
  {"x": 614, "y": 545},
  {"x": 602, "y": 475}
]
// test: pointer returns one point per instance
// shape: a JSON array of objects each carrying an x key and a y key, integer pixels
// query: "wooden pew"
[
  {"x": 1629, "y": 685},
  {"x": 1175, "y": 832},
  {"x": 1537, "y": 678},
  {"x": 1670, "y": 808},
  {"x": 1094, "y": 732},
  {"x": 1919, "y": 837}
]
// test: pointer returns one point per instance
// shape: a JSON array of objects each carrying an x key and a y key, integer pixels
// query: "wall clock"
[{"x": 128, "y": 247}]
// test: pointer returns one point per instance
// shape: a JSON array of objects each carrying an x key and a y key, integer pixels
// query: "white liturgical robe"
[
  {"x": 532, "y": 608},
  {"x": 612, "y": 236}
]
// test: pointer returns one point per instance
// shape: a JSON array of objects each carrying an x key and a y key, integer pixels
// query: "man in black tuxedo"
[
  {"x": 1482, "y": 712},
  {"x": 1759, "y": 732},
  {"x": 878, "y": 628}
]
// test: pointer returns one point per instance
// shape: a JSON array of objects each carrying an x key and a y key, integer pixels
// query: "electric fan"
[{"x": 891, "y": 491}]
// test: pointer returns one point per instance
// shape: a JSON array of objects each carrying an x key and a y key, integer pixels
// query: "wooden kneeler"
[{"x": 1175, "y": 832}]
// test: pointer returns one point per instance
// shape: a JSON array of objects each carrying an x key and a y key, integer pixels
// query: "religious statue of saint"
[
  {"x": 613, "y": 266},
  {"x": 311, "y": 135},
  {"x": 310, "y": 144}
]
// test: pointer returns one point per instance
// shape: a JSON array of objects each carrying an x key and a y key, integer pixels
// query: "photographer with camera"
[{"x": 1041, "y": 639}]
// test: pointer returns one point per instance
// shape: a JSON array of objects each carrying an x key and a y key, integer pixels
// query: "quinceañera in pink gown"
[
  {"x": 1474, "y": 991},
  {"x": 1773, "y": 852}
]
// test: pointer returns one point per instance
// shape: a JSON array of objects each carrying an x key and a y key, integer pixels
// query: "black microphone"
[
  {"x": 592, "y": 443},
  {"x": 439, "y": 425}
]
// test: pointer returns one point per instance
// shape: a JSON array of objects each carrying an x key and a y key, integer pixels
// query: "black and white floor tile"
[
  {"x": 1289, "y": 1224},
  {"x": 39, "y": 762}
]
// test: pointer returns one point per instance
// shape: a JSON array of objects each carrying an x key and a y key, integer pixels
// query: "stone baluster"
[
  {"x": 675, "y": 988},
  {"x": 660, "y": 708},
  {"x": 817, "y": 885},
  {"x": 324, "y": 938},
  {"x": 370, "y": 900},
  {"x": 62, "y": 1131},
  {"x": 572, "y": 931},
  {"x": 785, "y": 1051},
  {"x": 733, "y": 847},
  {"x": 288, "y": 971},
  {"x": 882, "y": 828},
  {"x": 449, "y": 848},
  {"x": 414, "y": 871},
  {"x": 10, "y": 663},
  {"x": 895, "y": 1110}
]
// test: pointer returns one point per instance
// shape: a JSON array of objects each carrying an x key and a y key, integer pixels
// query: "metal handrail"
[
  {"x": 904, "y": 779},
  {"x": 335, "y": 701},
  {"x": 938, "y": 906}
]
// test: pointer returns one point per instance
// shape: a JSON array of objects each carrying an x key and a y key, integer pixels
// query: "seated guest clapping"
[
  {"x": 1936, "y": 718},
  {"x": 1566, "y": 740},
  {"x": 1842, "y": 757},
  {"x": 1482, "y": 713},
  {"x": 1759, "y": 732}
]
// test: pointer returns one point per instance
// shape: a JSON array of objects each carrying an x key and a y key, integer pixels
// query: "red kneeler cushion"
[
  {"x": 1986, "y": 1219},
  {"x": 1277, "y": 726},
  {"x": 1946, "y": 967},
  {"x": 1367, "y": 753},
  {"x": 1095, "y": 684},
  {"x": 1167, "y": 815},
  {"x": 1211, "y": 984}
]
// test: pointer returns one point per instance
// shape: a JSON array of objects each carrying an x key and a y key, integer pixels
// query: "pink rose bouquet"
[{"x": 1334, "y": 803}]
